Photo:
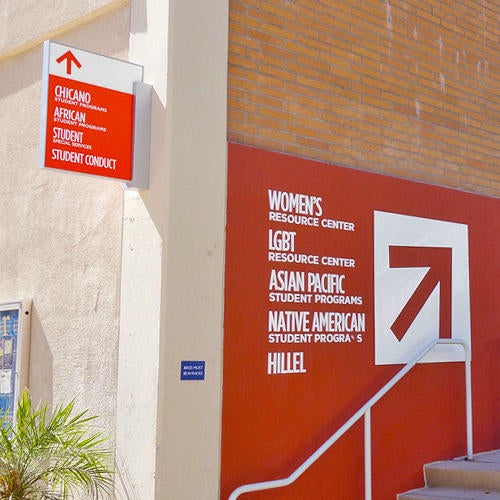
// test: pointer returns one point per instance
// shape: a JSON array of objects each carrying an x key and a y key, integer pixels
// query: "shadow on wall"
[
  {"x": 138, "y": 17},
  {"x": 25, "y": 69},
  {"x": 41, "y": 362},
  {"x": 124, "y": 483},
  {"x": 156, "y": 199},
  {"x": 142, "y": 296}
]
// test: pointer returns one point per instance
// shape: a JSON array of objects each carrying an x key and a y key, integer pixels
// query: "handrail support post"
[
  {"x": 368, "y": 454},
  {"x": 468, "y": 405}
]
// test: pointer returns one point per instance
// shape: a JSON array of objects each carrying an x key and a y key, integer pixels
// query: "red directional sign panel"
[
  {"x": 87, "y": 112},
  {"x": 335, "y": 279}
]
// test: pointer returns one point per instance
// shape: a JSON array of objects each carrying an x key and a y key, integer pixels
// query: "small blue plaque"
[{"x": 192, "y": 370}]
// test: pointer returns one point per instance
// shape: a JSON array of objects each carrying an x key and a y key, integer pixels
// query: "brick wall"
[{"x": 405, "y": 87}]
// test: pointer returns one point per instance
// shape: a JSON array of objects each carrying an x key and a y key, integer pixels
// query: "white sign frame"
[
  {"x": 394, "y": 287},
  {"x": 108, "y": 73}
]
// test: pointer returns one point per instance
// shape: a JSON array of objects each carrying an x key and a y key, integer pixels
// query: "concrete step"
[
  {"x": 449, "y": 494},
  {"x": 482, "y": 473},
  {"x": 460, "y": 478}
]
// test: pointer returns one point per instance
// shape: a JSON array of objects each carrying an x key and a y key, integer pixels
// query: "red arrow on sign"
[
  {"x": 70, "y": 58},
  {"x": 438, "y": 260}
]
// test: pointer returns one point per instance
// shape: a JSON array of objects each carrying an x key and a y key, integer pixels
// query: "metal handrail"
[{"x": 365, "y": 411}]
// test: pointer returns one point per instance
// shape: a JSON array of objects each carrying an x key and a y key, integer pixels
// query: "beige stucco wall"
[
  {"x": 25, "y": 23},
  {"x": 60, "y": 234},
  {"x": 190, "y": 412},
  {"x": 173, "y": 268}
]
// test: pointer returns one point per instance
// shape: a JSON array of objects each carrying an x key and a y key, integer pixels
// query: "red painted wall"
[{"x": 273, "y": 422}]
